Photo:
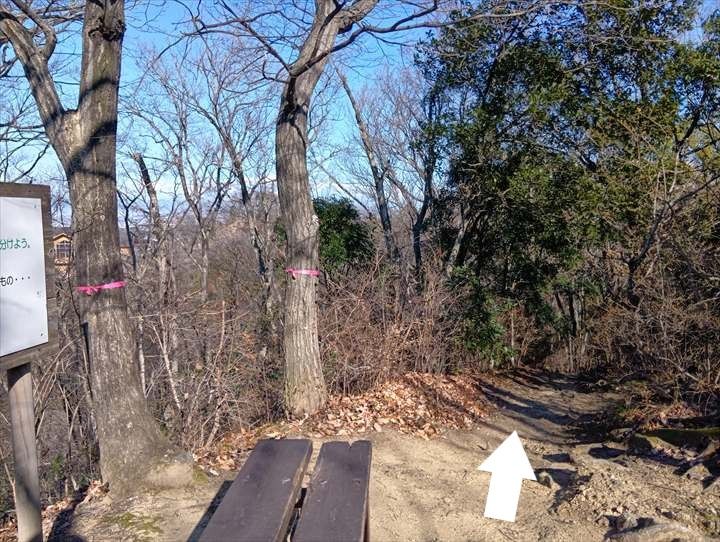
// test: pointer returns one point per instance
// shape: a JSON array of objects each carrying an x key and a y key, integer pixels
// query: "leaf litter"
[{"x": 418, "y": 404}]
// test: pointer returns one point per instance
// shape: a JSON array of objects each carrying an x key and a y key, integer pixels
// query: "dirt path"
[
  {"x": 431, "y": 490},
  {"x": 425, "y": 491}
]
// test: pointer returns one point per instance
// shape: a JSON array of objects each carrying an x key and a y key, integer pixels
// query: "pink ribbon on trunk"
[
  {"x": 309, "y": 272},
  {"x": 96, "y": 288}
]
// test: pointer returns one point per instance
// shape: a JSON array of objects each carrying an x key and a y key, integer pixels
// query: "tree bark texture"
[
  {"x": 304, "y": 382},
  {"x": 305, "y": 390},
  {"x": 131, "y": 444}
]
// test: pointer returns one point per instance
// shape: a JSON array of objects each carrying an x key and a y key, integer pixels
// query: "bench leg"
[{"x": 367, "y": 524}]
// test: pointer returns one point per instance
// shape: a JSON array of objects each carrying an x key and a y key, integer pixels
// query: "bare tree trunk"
[
  {"x": 417, "y": 229},
  {"x": 131, "y": 444},
  {"x": 419, "y": 224},
  {"x": 455, "y": 250},
  {"x": 204, "y": 266},
  {"x": 380, "y": 170},
  {"x": 155, "y": 256},
  {"x": 305, "y": 390},
  {"x": 304, "y": 382},
  {"x": 141, "y": 353},
  {"x": 127, "y": 432},
  {"x": 377, "y": 173}
]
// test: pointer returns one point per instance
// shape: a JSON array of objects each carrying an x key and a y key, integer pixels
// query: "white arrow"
[{"x": 508, "y": 465}]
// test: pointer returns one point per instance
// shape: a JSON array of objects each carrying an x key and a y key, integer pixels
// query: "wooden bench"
[{"x": 265, "y": 502}]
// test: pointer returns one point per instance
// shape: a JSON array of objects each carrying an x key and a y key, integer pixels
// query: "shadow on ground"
[
  {"x": 205, "y": 519},
  {"x": 61, "y": 530},
  {"x": 538, "y": 406}
]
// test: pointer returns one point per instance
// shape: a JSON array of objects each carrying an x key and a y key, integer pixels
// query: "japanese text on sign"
[{"x": 23, "y": 299}]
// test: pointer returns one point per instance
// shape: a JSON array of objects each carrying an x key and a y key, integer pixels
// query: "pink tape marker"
[
  {"x": 94, "y": 289},
  {"x": 309, "y": 272}
]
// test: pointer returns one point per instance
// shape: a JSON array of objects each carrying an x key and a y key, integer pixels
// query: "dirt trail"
[
  {"x": 425, "y": 491},
  {"x": 431, "y": 490}
]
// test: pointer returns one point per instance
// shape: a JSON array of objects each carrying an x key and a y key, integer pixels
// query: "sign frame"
[
  {"x": 37, "y": 354},
  {"x": 20, "y": 386}
]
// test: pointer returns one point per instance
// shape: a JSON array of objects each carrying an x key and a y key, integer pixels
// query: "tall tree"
[
  {"x": 399, "y": 132},
  {"x": 379, "y": 171},
  {"x": 572, "y": 151},
  {"x": 311, "y": 47},
  {"x": 132, "y": 448},
  {"x": 304, "y": 382}
]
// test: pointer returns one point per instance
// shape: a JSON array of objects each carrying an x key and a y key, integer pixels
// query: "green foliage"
[
  {"x": 345, "y": 239},
  {"x": 57, "y": 467},
  {"x": 560, "y": 129},
  {"x": 481, "y": 331}
]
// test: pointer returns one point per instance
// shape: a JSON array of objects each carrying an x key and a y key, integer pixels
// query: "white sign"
[
  {"x": 508, "y": 466},
  {"x": 23, "y": 299}
]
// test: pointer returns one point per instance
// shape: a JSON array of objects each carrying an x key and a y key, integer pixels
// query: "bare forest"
[{"x": 308, "y": 201}]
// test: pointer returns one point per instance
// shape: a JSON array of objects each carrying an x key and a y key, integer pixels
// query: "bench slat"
[
  {"x": 259, "y": 504},
  {"x": 336, "y": 504}
]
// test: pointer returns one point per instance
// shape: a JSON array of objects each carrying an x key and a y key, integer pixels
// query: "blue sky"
[
  {"x": 158, "y": 24},
  {"x": 362, "y": 63}
]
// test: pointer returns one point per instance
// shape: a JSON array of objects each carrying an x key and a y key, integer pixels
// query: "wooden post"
[{"x": 27, "y": 482}]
